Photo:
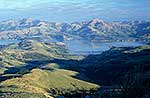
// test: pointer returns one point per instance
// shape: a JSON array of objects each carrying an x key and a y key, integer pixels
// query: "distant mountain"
[
  {"x": 101, "y": 30},
  {"x": 94, "y": 30},
  {"x": 39, "y": 65}
]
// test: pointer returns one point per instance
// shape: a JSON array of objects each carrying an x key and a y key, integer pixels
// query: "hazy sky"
[{"x": 75, "y": 10}]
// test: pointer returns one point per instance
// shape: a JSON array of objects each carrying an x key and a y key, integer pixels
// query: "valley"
[{"x": 41, "y": 59}]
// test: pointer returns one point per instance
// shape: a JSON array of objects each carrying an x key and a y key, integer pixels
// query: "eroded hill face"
[{"x": 94, "y": 30}]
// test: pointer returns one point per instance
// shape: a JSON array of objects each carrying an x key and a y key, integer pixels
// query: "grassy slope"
[
  {"x": 16, "y": 54},
  {"x": 38, "y": 81},
  {"x": 44, "y": 81}
]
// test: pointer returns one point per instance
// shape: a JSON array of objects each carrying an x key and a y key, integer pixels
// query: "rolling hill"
[
  {"x": 29, "y": 69},
  {"x": 40, "y": 66}
]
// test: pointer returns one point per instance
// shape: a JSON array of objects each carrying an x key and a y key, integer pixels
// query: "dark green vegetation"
[
  {"x": 124, "y": 72},
  {"x": 39, "y": 66},
  {"x": 31, "y": 69}
]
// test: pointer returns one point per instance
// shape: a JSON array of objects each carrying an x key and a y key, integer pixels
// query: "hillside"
[
  {"x": 95, "y": 30},
  {"x": 124, "y": 70},
  {"x": 39, "y": 65},
  {"x": 46, "y": 69},
  {"x": 32, "y": 69},
  {"x": 108, "y": 66},
  {"x": 46, "y": 82},
  {"x": 29, "y": 50}
]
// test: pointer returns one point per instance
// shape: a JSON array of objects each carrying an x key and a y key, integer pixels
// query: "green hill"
[
  {"x": 32, "y": 69},
  {"x": 45, "y": 82}
]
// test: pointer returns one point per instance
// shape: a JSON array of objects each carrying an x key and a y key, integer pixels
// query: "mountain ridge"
[{"x": 95, "y": 30}]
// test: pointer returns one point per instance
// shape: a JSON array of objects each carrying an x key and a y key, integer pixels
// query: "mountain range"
[
  {"x": 96, "y": 30},
  {"x": 39, "y": 65}
]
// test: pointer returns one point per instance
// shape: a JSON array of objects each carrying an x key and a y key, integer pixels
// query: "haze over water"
[{"x": 75, "y": 10}]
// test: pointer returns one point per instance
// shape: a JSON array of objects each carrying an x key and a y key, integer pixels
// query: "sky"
[{"x": 75, "y": 10}]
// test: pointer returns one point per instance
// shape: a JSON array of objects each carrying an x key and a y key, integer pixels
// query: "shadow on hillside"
[
  {"x": 73, "y": 65},
  {"x": 112, "y": 66},
  {"x": 21, "y": 70},
  {"x": 108, "y": 70}
]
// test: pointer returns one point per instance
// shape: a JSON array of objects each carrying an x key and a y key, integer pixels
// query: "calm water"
[{"x": 84, "y": 47}]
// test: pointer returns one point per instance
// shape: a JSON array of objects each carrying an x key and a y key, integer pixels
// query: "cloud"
[{"x": 71, "y": 9}]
